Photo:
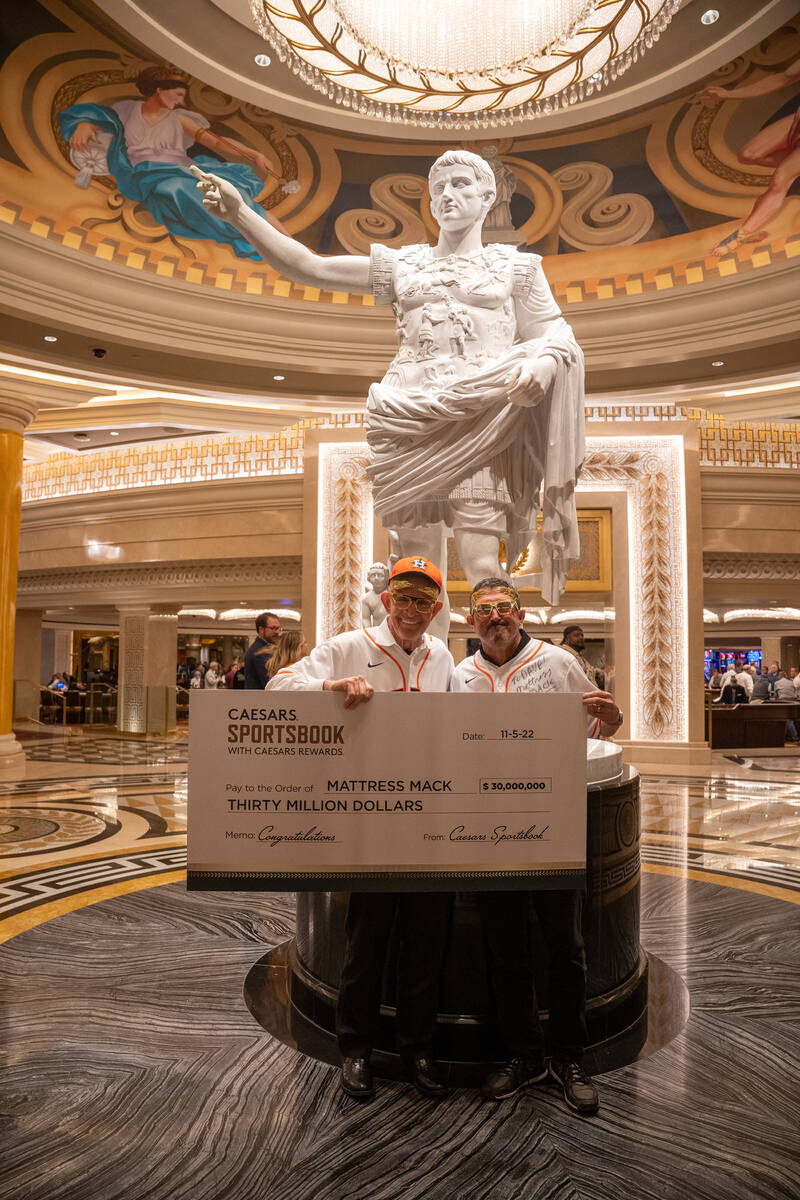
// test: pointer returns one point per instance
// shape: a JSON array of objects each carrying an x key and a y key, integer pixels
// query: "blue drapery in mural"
[{"x": 168, "y": 190}]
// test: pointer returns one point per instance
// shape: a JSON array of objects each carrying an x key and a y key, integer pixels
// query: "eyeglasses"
[
  {"x": 421, "y": 603},
  {"x": 502, "y": 607}
]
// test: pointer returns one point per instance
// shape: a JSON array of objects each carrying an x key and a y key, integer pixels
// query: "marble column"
[
  {"x": 148, "y": 647},
  {"x": 131, "y": 683},
  {"x": 28, "y": 662},
  {"x": 697, "y": 748},
  {"x": 15, "y": 415},
  {"x": 770, "y": 650},
  {"x": 56, "y": 646},
  {"x": 161, "y": 658}
]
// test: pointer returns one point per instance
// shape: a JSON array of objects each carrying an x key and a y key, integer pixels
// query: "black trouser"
[
  {"x": 505, "y": 917},
  {"x": 423, "y": 920}
]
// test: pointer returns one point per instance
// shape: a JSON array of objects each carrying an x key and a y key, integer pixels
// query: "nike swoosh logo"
[
  {"x": 380, "y": 664},
  {"x": 469, "y": 678}
]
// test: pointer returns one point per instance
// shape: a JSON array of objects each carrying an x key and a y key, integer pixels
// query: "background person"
[
  {"x": 268, "y": 630},
  {"x": 729, "y": 680},
  {"x": 289, "y": 649},
  {"x": 745, "y": 680},
  {"x": 510, "y": 661},
  {"x": 573, "y": 640},
  {"x": 784, "y": 691},
  {"x": 397, "y": 656},
  {"x": 214, "y": 678}
]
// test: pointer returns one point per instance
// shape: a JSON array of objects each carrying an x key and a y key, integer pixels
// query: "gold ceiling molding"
[
  {"x": 249, "y": 456},
  {"x": 116, "y": 582},
  {"x": 741, "y": 444},
  {"x": 392, "y": 62},
  {"x": 259, "y": 280},
  {"x": 170, "y": 463},
  {"x": 782, "y": 567}
]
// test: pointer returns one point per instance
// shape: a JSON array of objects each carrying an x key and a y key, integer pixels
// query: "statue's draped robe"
[{"x": 440, "y": 426}]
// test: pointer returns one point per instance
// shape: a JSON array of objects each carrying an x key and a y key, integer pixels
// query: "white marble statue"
[
  {"x": 478, "y": 421},
  {"x": 372, "y": 610}
]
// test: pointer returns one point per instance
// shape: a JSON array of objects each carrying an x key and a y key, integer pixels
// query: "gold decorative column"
[{"x": 15, "y": 414}]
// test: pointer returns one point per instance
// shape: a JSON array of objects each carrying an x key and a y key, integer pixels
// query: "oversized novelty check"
[{"x": 415, "y": 792}]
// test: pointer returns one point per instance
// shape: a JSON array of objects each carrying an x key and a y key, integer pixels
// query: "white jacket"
[
  {"x": 374, "y": 654},
  {"x": 536, "y": 667},
  {"x": 746, "y": 680}
]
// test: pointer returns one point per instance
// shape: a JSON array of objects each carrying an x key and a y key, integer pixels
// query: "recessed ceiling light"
[
  {"x": 50, "y": 337},
  {"x": 278, "y": 378},
  {"x": 709, "y": 16},
  {"x": 718, "y": 362},
  {"x": 82, "y": 437},
  {"x": 113, "y": 433},
  {"x": 262, "y": 60}
]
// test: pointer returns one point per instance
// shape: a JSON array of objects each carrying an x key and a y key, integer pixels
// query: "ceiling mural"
[{"x": 98, "y": 134}]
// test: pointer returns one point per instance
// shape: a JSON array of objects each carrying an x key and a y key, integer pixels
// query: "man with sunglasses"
[
  {"x": 510, "y": 661},
  {"x": 396, "y": 656}
]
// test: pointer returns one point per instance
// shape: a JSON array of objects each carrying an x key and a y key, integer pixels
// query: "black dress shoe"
[
  {"x": 356, "y": 1078},
  {"x": 427, "y": 1078},
  {"x": 511, "y": 1077}
]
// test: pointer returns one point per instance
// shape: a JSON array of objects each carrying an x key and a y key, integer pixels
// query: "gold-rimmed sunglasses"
[
  {"x": 421, "y": 603},
  {"x": 502, "y": 607}
]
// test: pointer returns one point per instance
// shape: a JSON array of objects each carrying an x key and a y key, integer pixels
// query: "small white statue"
[
  {"x": 478, "y": 423},
  {"x": 372, "y": 610},
  {"x": 499, "y": 216}
]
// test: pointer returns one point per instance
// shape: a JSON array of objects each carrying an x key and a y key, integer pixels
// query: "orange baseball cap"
[{"x": 417, "y": 566}]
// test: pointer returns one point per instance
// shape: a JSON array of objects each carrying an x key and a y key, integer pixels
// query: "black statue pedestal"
[{"x": 308, "y": 968}]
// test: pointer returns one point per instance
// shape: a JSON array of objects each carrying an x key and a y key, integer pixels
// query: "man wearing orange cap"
[{"x": 397, "y": 656}]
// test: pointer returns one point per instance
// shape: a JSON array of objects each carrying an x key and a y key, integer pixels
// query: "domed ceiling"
[{"x": 667, "y": 233}]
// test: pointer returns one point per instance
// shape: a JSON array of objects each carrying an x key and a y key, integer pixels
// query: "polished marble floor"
[{"x": 133, "y": 1068}]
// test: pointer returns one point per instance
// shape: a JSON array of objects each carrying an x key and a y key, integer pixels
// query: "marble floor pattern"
[{"x": 133, "y": 1069}]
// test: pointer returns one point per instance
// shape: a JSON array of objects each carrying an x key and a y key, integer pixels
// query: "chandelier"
[{"x": 460, "y": 64}]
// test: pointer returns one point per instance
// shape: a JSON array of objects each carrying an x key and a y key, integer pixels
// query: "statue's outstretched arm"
[{"x": 344, "y": 272}]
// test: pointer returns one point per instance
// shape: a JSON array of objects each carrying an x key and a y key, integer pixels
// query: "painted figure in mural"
[
  {"x": 778, "y": 146},
  {"x": 143, "y": 144},
  {"x": 372, "y": 610},
  {"x": 476, "y": 439}
]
